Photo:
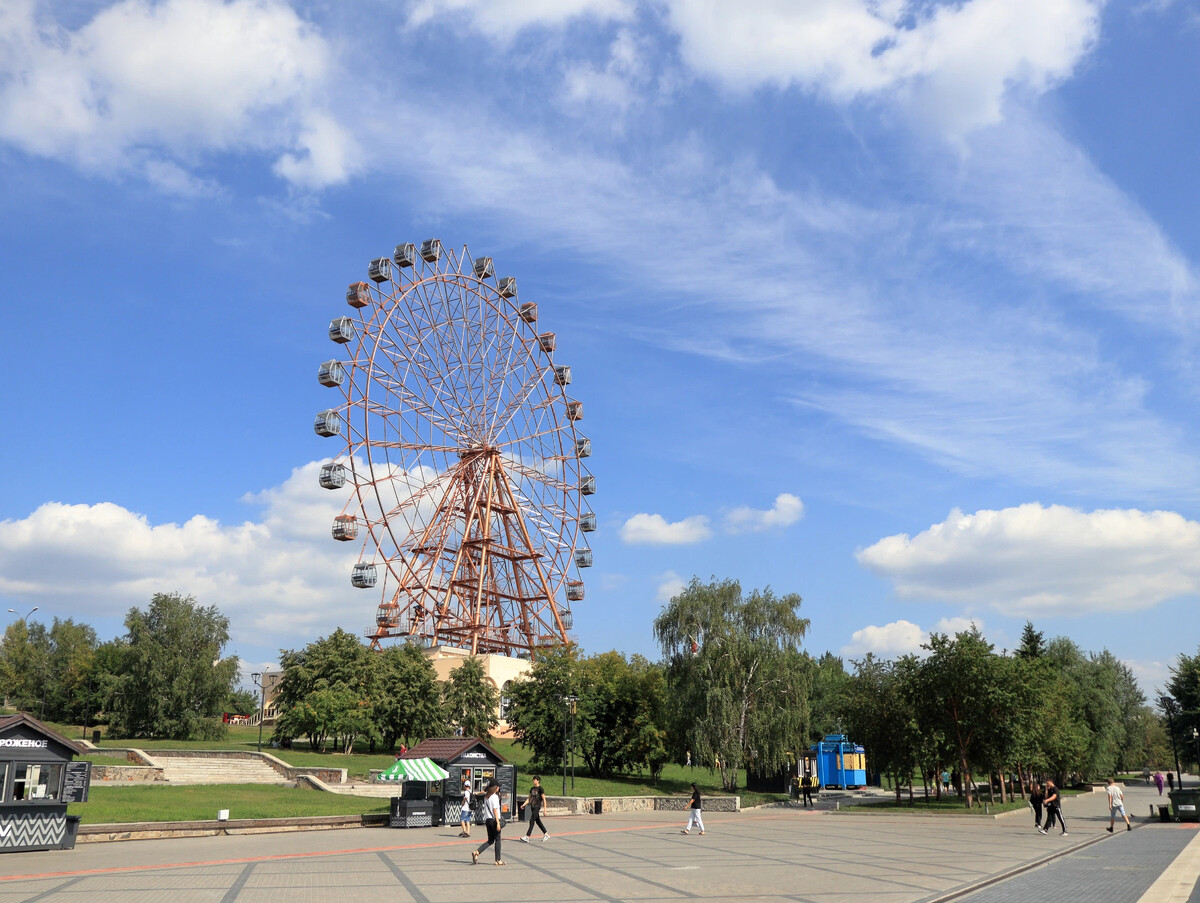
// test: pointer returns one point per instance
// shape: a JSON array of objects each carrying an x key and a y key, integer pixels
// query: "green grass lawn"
[
  {"x": 148, "y": 802},
  {"x": 675, "y": 779},
  {"x": 948, "y": 805}
]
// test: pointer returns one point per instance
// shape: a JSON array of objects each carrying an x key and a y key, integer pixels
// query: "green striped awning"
[{"x": 415, "y": 770}]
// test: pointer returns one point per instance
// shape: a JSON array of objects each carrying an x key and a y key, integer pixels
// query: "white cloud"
[
  {"x": 280, "y": 580},
  {"x": 954, "y": 62},
  {"x": 901, "y": 637},
  {"x": 152, "y": 89},
  {"x": 786, "y": 511},
  {"x": 655, "y": 530},
  {"x": 670, "y": 585},
  {"x": 504, "y": 18},
  {"x": 1032, "y": 560}
]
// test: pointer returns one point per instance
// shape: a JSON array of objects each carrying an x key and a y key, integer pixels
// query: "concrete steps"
[{"x": 217, "y": 770}]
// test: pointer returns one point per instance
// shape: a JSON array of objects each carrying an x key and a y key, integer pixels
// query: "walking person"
[
  {"x": 1158, "y": 781},
  {"x": 1116, "y": 805},
  {"x": 533, "y": 803},
  {"x": 465, "y": 816},
  {"x": 1036, "y": 796},
  {"x": 806, "y": 787},
  {"x": 694, "y": 812},
  {"x": 1170, "y": 781},
  {"x": 493, "y": 820},
  {"x": 1053, "y": 803}
]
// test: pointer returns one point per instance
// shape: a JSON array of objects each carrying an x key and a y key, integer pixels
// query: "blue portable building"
[{"x": 839, "y": 763}]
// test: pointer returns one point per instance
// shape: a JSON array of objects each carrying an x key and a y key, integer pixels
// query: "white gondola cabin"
[
  {"x": 341, "y": 330},
  {"x": 574, "y": 410},
  {"x": 587, "y": 522},
  {"x": 587, "y": 485},
  {"x": 380, "y": 269},
  {"x": 331, "y": 373},
  {"x": 562, "y": 375},
  {"x": 528, "y": 312},
  {"x": 583, "y": 558},
  {"x": 567, "y": 618},
  {"x": 364, "y": 576},
  {"x": 575, "y": 590},
  {"x": 431, "y": 250},
  {"x": 345, "y": 527},
  {"x": 483, "y": 268},
  {"x": 583, "y": 447},
  {"x": 328, "y": 423},
  {"x": 405, "y": 255},
  {"x": 333, "y": 476},
  {"x": 546, "y": 341},
  {"x": 507, "y": 287}
]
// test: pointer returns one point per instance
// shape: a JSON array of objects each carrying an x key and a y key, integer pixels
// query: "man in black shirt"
[
  {"x": 533, "y": 803},
  {"x": 1053, "y": 805}
]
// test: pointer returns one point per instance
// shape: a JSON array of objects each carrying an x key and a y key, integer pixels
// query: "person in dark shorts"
[
  {"x": 806, "y": 787},
  {"x": 534, "y": 803}
]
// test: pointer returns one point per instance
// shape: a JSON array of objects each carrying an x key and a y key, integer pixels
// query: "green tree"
[
  {"x": 25, "y": 665},
  {"x": 71, "y": 655},
  {"x": 536, "y": 714},
  {"x": 964, "y": 690},
  {"x": 327, "y": 692},
  {"x": 173, "y": 680},
  {"x": 408, "y": 703},
  {"x": 470, "y": 700},
  {"x": 242, "y": 702},
  {"x": 830, "y": 684},
  {"x": 736, "y": 676}
]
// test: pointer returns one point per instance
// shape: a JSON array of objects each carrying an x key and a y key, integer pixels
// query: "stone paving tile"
[
  {"x": 764, "y": 856},
  {"x": 1118, "y": 869}
]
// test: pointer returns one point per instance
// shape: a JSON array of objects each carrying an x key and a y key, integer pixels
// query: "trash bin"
[
  {"x": 1164, "y": 813},
  {"x": 1186, "y": 804},
  {"x": 599, "y": 810}
]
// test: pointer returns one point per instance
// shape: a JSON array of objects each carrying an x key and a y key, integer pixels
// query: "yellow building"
[{"x": 498, "y": 670}]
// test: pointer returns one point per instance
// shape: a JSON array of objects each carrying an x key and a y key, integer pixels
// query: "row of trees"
[
  {"x": 336, "y": 692},
  {"x": 1048, "y": 709},
  {"x": 165, "y": 678}
]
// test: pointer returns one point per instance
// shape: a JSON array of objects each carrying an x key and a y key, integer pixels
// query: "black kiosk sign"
[{"x": 37, "y": 780}]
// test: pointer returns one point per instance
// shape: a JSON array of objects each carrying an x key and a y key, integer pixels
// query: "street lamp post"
[
  {"x": 24, "y": 617},
  {"x": 568, "y": 708},
  {"x": 1196, "y": 741},
  {"x": 261, "y": 681}
]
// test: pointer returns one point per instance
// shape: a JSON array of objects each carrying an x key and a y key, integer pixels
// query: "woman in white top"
[{"x": 493, "y": 820}]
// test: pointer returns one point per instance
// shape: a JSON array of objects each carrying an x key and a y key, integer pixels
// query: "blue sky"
[{"x": 890, "y": 304}]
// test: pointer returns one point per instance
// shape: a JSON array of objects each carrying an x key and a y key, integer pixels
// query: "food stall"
[
  {"x": 466, "y": 758},
  {"x": 37, "y": 780},
  {"x": 416, "y": 806}
]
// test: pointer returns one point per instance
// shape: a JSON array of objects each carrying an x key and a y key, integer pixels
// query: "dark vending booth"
[
  {"x": 474, "y": 760},
  {"x": 38, "y": 779}
]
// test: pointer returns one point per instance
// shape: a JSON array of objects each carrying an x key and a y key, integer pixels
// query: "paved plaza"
[{"x": 762, "y": 855}]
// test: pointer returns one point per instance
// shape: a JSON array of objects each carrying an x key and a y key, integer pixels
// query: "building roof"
[
  {"x": 446, "y": 749},
  {"x": 10, "y": 721}
]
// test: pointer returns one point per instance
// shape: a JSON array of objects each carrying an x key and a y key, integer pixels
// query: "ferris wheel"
[{"x": 462, "y": 454}]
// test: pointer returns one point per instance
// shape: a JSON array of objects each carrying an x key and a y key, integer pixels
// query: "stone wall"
[{"x": 120, "y": 773}]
